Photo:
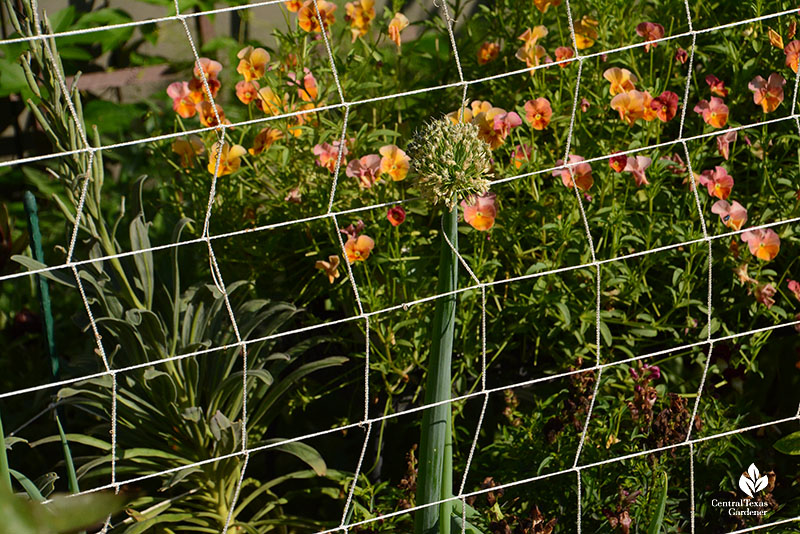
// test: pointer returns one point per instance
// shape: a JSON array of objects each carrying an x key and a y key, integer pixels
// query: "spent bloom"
[
  {"x": 358, "y": 248},
  {"x": 794, "y": 287},
  {"x": 182, "y": 101},
  {"x": 681, "y": 56},
  {"x": 581, "y": 171},
  {"x": 451, "y": 161},
  {"x": 768, "y": 93},
  {"x": 252, "y": 63},
  {"x": 328, "y": 154},
  {"x": 307, "y": 17},
  {"x": 650, "y": 31},
  {"x": 585, "y": 104},
  {"x": 764, "y": 294},
  {"x": 330, "y": 267},
  {"x": 732, "y": 215},
  {"x": 394, "y": 162},
  {"x": 359, "y": 14},
  {"x": 622, "y": 80},
  {"x": 488, "y": 52},
  {"x": 715, "y": 112},
  {"x": 665, "y": 106},
  {"x": 366, "y": 169},
  {"x": 187, "y": 149},
  {"x": 398, "y": 23},
  {"x": 718, "y": 182},
  {"x": 637, "y": 165},
  {"x": 538, "y": 113},
  {"x": 396, "y": 215},
  {"x": 717, "y": 86},
  {"x": 792, "y": 51},
  {"x": 230, "y": 158},
  {"x": 763, "y": 243},
  {"x": 723, "y": 143},
  {"x": 480, "y": 211}
]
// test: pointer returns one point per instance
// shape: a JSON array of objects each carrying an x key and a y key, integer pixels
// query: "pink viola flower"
[
  {"x": 366, "y": 169},
  {"x": 503, "y": 123},
  {"x": 733, "y": 215},
  {"x": 768, "y": 93},
  {"x": 209, "y": 68},
  {"x": 717, "y": 86},
  {"x": 637, "y": 165},
  {"x": 182, "y": 101},
  {"x": 794, "y": 287},
  {"x": 581, "y": 171},
  {"x": 764, "y": 244},
  {"x": 650, "y": 31},
  {"x": 718, "y": 182},
  {"x": 328, "y": 155},
  {"x": 723, "y": 143},
  {"x": 480, "y": 211},
  {"x": 715, "y": 112}
]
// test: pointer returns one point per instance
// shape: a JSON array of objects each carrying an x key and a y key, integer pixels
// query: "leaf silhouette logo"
[{"x": 751, "y": 481}]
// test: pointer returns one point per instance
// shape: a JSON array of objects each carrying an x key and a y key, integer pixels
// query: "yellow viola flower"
[
  {"x": 585, "y": 33},
  {"x": 187, "y": 149},
  {"x": 252, "y": 63},
  {"x": 394, "y": 162},
  {"x": 230, "y": 158},
  {"x": 359, "y": 14}
]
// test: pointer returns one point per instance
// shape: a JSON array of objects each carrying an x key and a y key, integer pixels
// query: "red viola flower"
[
  {"x": 396, "y": 215},
  {"x": 651, "y": 31},
  {"x": 618, "y": 163},
  {"x": 718, "y": 182},
  {"x": 681, "y": 56},
  {"x": 717, "y": 86},
  {"x": 665, "y": 105}
]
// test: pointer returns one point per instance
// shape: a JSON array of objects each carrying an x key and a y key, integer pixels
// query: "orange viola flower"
[
  {"x": 394, "y": 162},
  {"x": 209, "y": 67},
  {"x": 480, "y": 212},
  {"x": 717, "y": 86},
  {"x": 585, "y": 33},
  {"x": 269, "y": 102},
  {"x": 264, "y": 139},
  {"x": 522, "y": 154},
  {"x": 538, "y": 113},
  {"x": 581, "y": 172},
  {"x": 792, "y": 51},
  {"x": 197, "y": 90},
  {"x": 307, "y": 91},
  {"x": 205, "y": 110},
  {"x": 398, "y": 23},
  {"x": 618, "y": 163},
  {"x": 649, "y": 113},
  {"x": 665, "y": 106},
  {"x": 488, "y": 52},
  {"x": 651, "y": 31},
  {"x": 187, "y": 149},
  {"x": 530, "y": 52},
  {"x": 246, "y": 92},
  {"x": 622, "y": 80},
  {"x": 308, "y": 16},
  {"x": 764, "y": 244},
  {"x": 715, "y": 113},
  {"x": 359, "y": 14},
  {"x": 542, "y": 5},
  {"x": 732, "y": 215},
  {"x": 182, "y": 101},
  {"x": 563, "y": 53},
  {"x": 358, "y": 248},
  {"x": 252, "y": 63},
  {"x": 495, "y": 125},
  {"x": 330, "y": 267},
  {"x": 718, "y": 182},
  {"x": 230, "y": 158},
  {"x": 768, "y": 93},
  {"x": 293, "y": 5},
  {"x": 629, "y": 105}
]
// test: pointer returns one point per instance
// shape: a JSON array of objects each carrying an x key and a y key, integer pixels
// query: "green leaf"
[
  {"x": 788, "y": 444},
  {"x": 71, "y": 476},
  {"x": 67, "y": 514},
  {"x": 29, "y": 487},
  {"x": 306, "y": 453},
  {"x": 144, "y": 261},
  {"x": 163, "y": 518},
  {"x": 661, "y": 504}
]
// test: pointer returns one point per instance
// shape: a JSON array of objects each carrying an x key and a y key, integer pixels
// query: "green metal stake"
[
  {"x": 44, "y": 290},
  {"x": 436, "y": 448}
]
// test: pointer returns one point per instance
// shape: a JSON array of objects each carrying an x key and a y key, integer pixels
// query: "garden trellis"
[{"x": 476, "y": 284}]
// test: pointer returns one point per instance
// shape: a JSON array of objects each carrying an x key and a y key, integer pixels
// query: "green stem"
[
  {"x": 436, "y": 454},
  {"x": 5, "y": 474}
]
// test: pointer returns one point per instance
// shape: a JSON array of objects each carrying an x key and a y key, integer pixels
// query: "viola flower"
[
  {"x": 366, "y": 169},
  {"x": 764, "y": 243},
  {"x": 394, "y": 162},
  {"x": 637, "y": 165},
  {"x": 396, "y": 215},
  {"x": 630, "y": 106},
  {"x": 197, "y": 90},
  {"x": 269, "y": 102},
  {"x": 359, "y": 14},
  {"x": 649, "y": 113},
  {"x": 293, "y": 5},
  {"x": 205, "y": 111},
  {"x": 246, "y": 92},
  {"x": 495, "y": 124},
  {"x": 531, "y": 52},
  {"x": 582, "y": 173},
  {"x": 308, "y": 91},
  {"x": 229, "y": 159},
  {"x": 741, "y": 273},
  {"x": 676, "y": 164},
  {"x": 521, "y": 155},
  {"x": 358, "y": 249},
  {"x": 794, "y": 287},
  {"x": 732, "y": 215},
  {"x": 717, "y": 86},
  {"x": 538, "y": 113},
  {"x": 480, "y": 211},
  {"x": 328, "y": 155},
  {"x": 330, "y": 267},
  {"x": 182, "y": 102},
  {"x": 792, "y": 51},
  {"x": 723, "y": 143},
  {"x": 618, "y": 163},
  {"x": 718, "y": 182},
  {"x": 352, "y": 231},
  {"x": 488, "y": 52},
  {"x": 764, "y": 294},
  {"x": 585, "y": 33},
  {"x": 562, "y": 53},
  {"x": 681, "y": 56},
  {"x": 398, "y": 23},
  {"x": 775, "y": 38},
  {"x": 208, "y": 67},
  {"x": 542, "y": 5},
  {"x": 622, "y": 80},
  {"x": 768, "y": 93},
  {"x": 715, "y": 113},
  {"x": 252, "y": 63},
  {"x": 585, "y": 104},
  {"x": 665, "y": 106},
  {"x": 187, "y": 149},
  {"x": 264, "y": 139},
  {"x": 651, "y": 31},
  {"x": 307, "y": 17}
]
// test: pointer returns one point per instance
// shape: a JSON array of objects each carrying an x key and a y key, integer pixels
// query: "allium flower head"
[{"x": 451, "y": 161}]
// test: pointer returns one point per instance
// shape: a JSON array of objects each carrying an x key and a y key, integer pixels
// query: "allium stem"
[{"x": 435, "y": 478}]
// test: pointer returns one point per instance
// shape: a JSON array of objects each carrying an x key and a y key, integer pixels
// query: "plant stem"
[{"x": 436, "y": 453}]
